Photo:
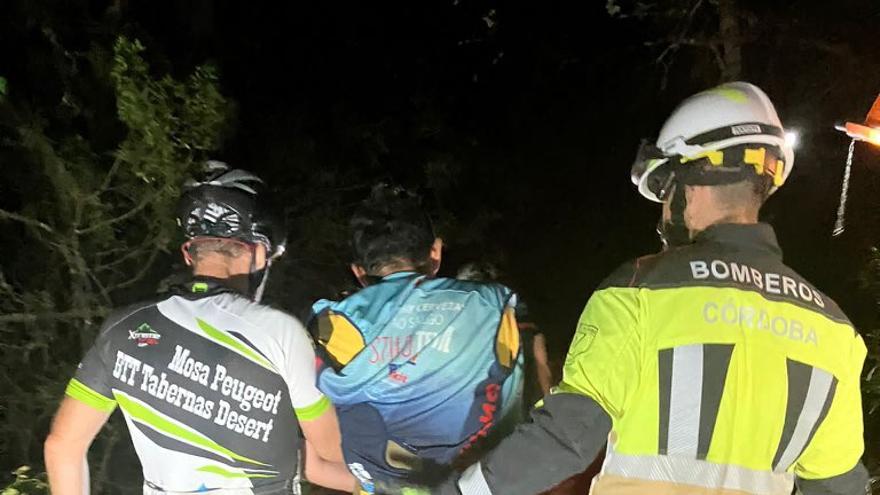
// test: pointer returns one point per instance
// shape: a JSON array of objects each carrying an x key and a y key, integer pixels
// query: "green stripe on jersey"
[
  {"x": 219, "y": 471},
  {"x": 314, "y": 411},
  {"x": 81, "y": 392},
  {"x": 232, "y": 343},
  {"x": 154, "y": 419}
]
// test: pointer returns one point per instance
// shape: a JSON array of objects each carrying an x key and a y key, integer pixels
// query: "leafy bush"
[
  {"x": 94, "y": 210},
  {"x": 25, "y": 484}
]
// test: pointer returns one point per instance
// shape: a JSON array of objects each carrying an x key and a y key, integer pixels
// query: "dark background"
[
  {"x": 528, "y": 127},
  {"x": 516, "y": 121},
  {"x": 533, "y": 121}
]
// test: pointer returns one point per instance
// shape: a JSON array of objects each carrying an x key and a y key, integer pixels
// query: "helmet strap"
[
  {"x": 257, "y": 278},
  {"x": 674, "y": 232}
]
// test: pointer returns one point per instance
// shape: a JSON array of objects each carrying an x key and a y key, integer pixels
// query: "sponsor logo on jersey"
[
  {"x": 144, "y": 335},
  {"x": 487, "y": 418},
  {"x": 385, "y": 348},
  {"x": 395, "y": 374}
]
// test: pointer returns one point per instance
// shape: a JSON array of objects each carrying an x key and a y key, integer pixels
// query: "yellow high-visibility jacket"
[{"x": 716, "y": 368}]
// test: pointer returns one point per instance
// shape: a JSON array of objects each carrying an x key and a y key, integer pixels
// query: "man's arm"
[
  {"x": 566, "y": 434},
  {"x": 571, "y": 426},
  {"x": 831, "y": 463},
  {"x": 542, "y": 363},
  {"x": 317, "y": 418},
  {"x": 87, "y": 404},
  {"x": 853, "y": 482},
  {"x": 75, "y": 426},
  {"x": 324, "y": 463},
  {"x": 322, "y": 472},
  {"x": 323, "y": 433}
]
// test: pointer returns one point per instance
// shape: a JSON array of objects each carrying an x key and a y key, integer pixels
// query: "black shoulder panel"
[
  {"x": 119, "y": 315},
  {"x": 713, "y": 264}
]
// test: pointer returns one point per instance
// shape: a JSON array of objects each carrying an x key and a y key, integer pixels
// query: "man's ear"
[
  {"x": 359, "y": 273},
  {"x": 436, "y": 255},
  {"x": 184, "y": 249}
]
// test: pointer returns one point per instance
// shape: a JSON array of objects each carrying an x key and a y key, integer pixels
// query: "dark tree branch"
[
  {"x": 125, "y": 216},
  {"x": 74, "y": 314},
  {"x": 32, "y": 222},
  {"x": 134, "y": 253},
  {"x": 109, "y": 177},
  {"x": 728, "y": 26},
  {"x": 677, "y": 40},
  {"x": 105, "y": 296},
  {"x": 139, "y": 275}
]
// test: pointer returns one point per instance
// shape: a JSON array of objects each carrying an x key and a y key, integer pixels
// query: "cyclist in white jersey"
[{"x": 214, "y": 386}]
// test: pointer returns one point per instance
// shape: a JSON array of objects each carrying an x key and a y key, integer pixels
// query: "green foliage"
[
  {"x": 95, "y": 210},
  {"x": 168, "y": 120},
  {"x": 25, "y": 484}
]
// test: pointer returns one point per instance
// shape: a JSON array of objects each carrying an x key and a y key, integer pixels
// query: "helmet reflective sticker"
[
  {"x": 215, "y": 219},
  {"x": 731, "y": 94},
  {"x": 229, "y": 203}
]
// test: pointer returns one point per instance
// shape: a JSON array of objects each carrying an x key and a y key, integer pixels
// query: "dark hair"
[
  {"x": 478, "y": 271},
  {"x": 390, "y": 228}
]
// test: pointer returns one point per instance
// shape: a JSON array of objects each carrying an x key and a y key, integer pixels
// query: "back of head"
[
  {"x": 229, "y": 204},
  {"x": 741, "y": 199},
  {"x": 391, "y": 230},
  {"x": 224, "y": 217},
  {"x": 727, "y": 141}
]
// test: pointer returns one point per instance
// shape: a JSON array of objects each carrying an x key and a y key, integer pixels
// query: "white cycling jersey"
[{"x": 211, "y": 385}]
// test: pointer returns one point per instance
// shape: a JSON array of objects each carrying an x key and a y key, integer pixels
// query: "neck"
[
  {"x": 234, "y": 276},
  {"x": 389, "y": 270},
  {"x": 696, "y": 225},
  {"x": 215, "y": 270}
]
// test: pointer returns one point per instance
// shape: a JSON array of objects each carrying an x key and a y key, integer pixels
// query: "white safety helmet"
[{"x": 730, "y": 115}]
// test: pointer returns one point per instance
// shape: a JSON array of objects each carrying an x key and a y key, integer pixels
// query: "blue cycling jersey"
[{"x": 420, "y": 369}]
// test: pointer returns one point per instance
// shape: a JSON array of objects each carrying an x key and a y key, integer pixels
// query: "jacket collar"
[
  {"x": 755, "y": 236},
  {"x": 199, "y": 287}
]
